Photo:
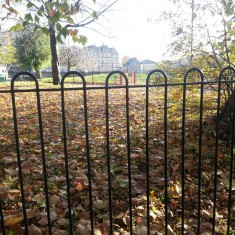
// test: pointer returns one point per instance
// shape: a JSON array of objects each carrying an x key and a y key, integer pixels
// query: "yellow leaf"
[
  {"x": 177, "y": 95},
  {"x": 52, "y": 12},
  {"x": 12, "y": 220}
]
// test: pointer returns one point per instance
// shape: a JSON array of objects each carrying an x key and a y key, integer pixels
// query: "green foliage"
[
  {"x": 32, "y": 49},
  {"x": 7, "y": 54},
  {"x": 58, "y": 19},
  {"x": 208, "y": 44},
  {"x": 61, "y": 14},
  {"x": 7, "y": 51}
]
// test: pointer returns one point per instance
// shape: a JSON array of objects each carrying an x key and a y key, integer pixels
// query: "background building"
[
  {"x": 105, "y": 59},
  {"x": 133, "y": 64},
  {"x": 147, "y": 65}
]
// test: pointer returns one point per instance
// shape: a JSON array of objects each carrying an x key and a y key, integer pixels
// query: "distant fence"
[
  {"x": 48, "y": 74},
  {"x": 128, "y": 159}
]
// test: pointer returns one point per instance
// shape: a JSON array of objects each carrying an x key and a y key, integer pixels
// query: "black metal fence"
[{"x": 128, "y": 159}]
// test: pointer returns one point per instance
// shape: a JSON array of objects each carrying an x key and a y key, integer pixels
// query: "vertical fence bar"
[
  {"x": 122, "y": 75},
  {"x": 165, "y": 149},
  {"x": 199, "y": 141},
  {"x": 88, "y": 156},
  {"x": 2, "y": 217},
  {"x": 216, "y": 154},
  {"x": 108, "y": 153},
  {"x": 129, "y": 154},
  {"x": 18, "y": 152},
  {"x": 66, "y": 153},
  {"x": 42, "y": 149},
  {"x": 199, "y": 146},
  {"x": 231, "y": 155},
  {"x": 231, "y": 169},
  {"x": 165, "y": 155},
  {"x": 87, "y": 148},
  {"x": 200, "y": 151},
  {"x": 147, "y": 153},
  {"x": 43, "y": 156},
  {"x": 183, "y": 152}
]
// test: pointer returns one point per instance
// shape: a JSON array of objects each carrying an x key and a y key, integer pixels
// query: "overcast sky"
[{"x": 131, "y": 25}]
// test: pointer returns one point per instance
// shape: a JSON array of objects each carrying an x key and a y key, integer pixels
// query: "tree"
[
  {"x": 58, "y": 19},
  {"x": 7, "y": 51},
  {"x": 32, "y": 49},
  {"x": 185, "y": 18},
  {"x": 204, "y": 34},
  {"x": 76, "y": 57},
  {"x": 125, "y": 59},
  {"x": 209, "y": 33}
]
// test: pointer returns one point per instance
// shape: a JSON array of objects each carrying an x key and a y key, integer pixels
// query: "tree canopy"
[
  {"x": 76, "y": 57},
  {"x": 203, "y": 34},
  {"x": 32, "y": 49},
  {"x": 58, "y": 19},
  {"x": 7, "y": 51},
  {"x": 202, "y": 31}
]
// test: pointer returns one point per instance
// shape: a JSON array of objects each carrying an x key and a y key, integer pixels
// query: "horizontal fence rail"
[{"x": 84, "y": 159}]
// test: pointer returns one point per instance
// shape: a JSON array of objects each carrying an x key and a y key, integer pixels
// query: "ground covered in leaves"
[{"x": 33, "y": 172}]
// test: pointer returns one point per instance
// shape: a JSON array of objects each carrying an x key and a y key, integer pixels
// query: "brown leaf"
[
  {"x": 54, "y": 200},
  {"x": 157, "y": 227},
  {"x": 206, "y": 214},
  {"x": 170, "y": 230},
  {"x": 30, "y": 213},
  {"x": 12, "y": 194},
  {"x": 97, "y": 232},
  {"x": 12, "y": 220},
  {"x": 59, "y": 232},
  {"x": 99, "y": 204},
  {"x": 205, "y": 227},
  {"x": 34, "y": 230},
  {"x": 140, "y": 229},
  {"x": 43, "y": 222}
]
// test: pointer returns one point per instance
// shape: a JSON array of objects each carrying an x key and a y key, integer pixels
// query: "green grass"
[
  {"x": 99, "y": 78},
  {"x": 96, "y": 79}
]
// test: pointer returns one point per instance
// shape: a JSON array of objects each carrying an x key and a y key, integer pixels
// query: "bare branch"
[{"x": 91, "y": 19}]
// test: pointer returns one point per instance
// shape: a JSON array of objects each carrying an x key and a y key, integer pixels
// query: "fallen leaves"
[
  {"x": 77, "y": 160},
  {"x": 12, "y": 220},
  {"x": 34, "y": 230}
]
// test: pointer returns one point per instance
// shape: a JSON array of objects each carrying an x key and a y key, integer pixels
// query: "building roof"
[
  {"x": 131, "y": 62},
  {"x": 148, "y": 62},
  {"x": 102, "y": 48}
]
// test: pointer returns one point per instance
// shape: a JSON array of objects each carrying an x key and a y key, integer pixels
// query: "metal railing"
[{"x": 145, "y": 159}]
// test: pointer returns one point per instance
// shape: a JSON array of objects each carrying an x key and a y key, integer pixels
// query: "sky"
[{"x": 131, "y": 29}]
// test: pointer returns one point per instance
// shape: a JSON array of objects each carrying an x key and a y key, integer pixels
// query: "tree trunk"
[
  {"x": 54, "y": 55},
  {"x": 38, "y": 74},
  {"x": 227, "y": 119},
  {"x": 69, "y": 66},
  {"x": 227, "y": 110}
]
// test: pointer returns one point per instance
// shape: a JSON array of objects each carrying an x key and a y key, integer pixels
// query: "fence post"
[
  {"x": 121, "y": 79},
  {"x": 134, "y": 77}
]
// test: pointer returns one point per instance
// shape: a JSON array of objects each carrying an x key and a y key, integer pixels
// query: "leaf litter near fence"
[{"x": 32, "y": 169}]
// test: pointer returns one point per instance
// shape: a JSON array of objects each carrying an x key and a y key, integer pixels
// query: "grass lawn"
[
  {"x": 33, "y": 172},
  {"x": 100, "y": 79}
]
